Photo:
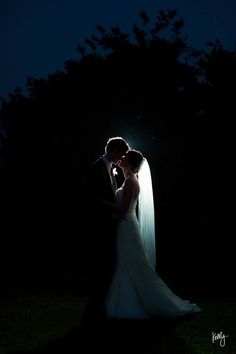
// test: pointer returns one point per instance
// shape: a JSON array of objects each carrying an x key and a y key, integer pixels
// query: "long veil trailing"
[{"x": 146, "y": 214}]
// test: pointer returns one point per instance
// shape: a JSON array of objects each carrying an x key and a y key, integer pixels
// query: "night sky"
[{"x": 37, "y": 36}]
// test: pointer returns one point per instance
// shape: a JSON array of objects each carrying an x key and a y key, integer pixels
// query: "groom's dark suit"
[{"x": 101, "y": 235}]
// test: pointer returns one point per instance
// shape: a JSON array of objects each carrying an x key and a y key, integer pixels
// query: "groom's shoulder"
[{"x": 97, "y": 164}]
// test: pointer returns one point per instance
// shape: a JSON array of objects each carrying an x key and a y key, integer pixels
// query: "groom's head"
[{"x": 115, "y": 148}]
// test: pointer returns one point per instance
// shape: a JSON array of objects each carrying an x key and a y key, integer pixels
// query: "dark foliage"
[{"x": 175, "y": 103}]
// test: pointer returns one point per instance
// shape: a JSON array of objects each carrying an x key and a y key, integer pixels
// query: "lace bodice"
[{"x": 133, "y": 204}]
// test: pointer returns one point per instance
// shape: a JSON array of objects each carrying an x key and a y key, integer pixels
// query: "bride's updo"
[{"x": 135, "y": 160}]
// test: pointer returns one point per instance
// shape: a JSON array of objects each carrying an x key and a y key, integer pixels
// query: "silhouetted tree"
[{"x": 148, "y": 84}]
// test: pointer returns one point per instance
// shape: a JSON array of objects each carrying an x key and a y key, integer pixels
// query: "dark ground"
[{"x": 132, "y": 336}]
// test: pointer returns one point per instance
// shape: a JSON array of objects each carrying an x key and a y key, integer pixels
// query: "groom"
[{"x": 101, "y": 184}]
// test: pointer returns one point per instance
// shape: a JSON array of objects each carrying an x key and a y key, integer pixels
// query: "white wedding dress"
[{"x": 136, "y": 290}]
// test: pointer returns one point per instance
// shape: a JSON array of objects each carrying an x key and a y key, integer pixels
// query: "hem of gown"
[
  {"x": 131, "y": 317},
  {"x": 175, "y": 316}
]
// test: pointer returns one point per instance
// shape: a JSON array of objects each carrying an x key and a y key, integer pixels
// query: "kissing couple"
[{"x": 124, "y": 281}]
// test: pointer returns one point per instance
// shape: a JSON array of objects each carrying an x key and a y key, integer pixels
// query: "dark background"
[{"x": 173, "y": 102}]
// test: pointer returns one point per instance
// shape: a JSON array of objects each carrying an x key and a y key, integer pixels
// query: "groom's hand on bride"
[{"x": 118, "y": 216}]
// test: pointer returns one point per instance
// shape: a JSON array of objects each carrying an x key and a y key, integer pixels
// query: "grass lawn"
[
  {"x": 195, "y": 335},
  {"x": 29, "y": 321}
]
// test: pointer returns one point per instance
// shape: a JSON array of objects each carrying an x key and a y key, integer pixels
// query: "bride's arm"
[{"x": 128, "y": 193}]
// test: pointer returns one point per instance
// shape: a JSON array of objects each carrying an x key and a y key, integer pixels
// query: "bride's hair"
[{"x": 135, "y": 160}]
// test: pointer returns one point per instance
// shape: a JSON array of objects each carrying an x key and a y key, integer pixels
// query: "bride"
[{"x": 136, "y": 290}]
